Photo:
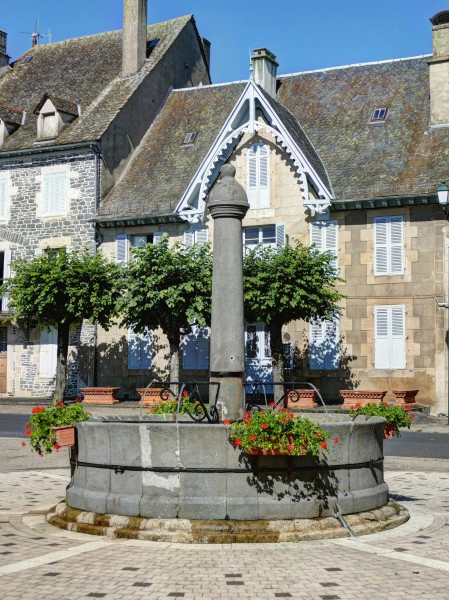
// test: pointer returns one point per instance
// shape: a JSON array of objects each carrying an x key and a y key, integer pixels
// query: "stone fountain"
[{"x": 184, "y": 481}]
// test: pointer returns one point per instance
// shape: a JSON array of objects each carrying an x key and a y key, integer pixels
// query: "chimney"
[
  {"x": 439, "y": 70},
  {"x": 264, "y": 67},
  {"x": 4, "y": 58},
  {"x": 134, "y": 50}
]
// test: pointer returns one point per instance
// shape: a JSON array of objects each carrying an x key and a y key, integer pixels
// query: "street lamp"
[{"x": 443, "y": 197}]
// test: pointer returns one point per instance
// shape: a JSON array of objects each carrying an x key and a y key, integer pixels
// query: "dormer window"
[
  {"x": 54, "y": 115},
  {"x": 10, "y": 121},
  {"x": 379, "y": 115}
]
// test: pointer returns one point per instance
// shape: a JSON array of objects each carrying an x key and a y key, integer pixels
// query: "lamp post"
[{"x": 443, "y": 198}]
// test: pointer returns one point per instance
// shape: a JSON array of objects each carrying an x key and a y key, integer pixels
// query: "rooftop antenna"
[{"x": 35, "y": 35}]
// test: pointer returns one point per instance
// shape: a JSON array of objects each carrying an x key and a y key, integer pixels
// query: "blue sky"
[{"x": 304, "y": 34}]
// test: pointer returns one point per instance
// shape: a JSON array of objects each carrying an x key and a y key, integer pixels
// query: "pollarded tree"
[
  {"x": 60, "y": 289},
  {"x": 168, "y": 287},
  {"x": 282, "y": 285}
]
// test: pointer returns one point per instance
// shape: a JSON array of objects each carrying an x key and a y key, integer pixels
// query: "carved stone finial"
[{"x": 228, "y": 197}]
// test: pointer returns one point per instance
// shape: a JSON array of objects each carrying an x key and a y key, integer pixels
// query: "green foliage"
[
  {"x": 171, "y": 406},
  {"x": 39, "y": 429},
  {"x": 168, "y": 287},
  {"x": 278, "y": 431},
  {"x": 64, "y": 287},
  {"x": 396, "y": 416},
  {"x": 292, "y": 283}
]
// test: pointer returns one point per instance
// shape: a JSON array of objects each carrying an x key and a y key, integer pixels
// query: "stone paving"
[{"x": 39, "y": 561}]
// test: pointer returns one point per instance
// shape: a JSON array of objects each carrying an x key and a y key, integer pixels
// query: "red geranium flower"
[
  {"x": 290, "y": 415},
  {"x": 237, "y": 442},
  {"x": 24, "y": 444},
  {"x": 336, "y": 440},
  {"x": 226, "y": 422},
  {"x": 60, "y": 404},
  {"x": 323, "y": 445},
  {"x": 56, "y": 447},
  {"x": 28, "y": 432},
  {"x": 264, "y": 426},
  {"x": 253, "y": 437}
]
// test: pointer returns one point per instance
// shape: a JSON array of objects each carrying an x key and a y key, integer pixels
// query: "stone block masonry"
[{"x": 26, "y": 231}]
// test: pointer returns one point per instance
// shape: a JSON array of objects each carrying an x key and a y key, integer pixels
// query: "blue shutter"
[{"x": 140, "y": 349}]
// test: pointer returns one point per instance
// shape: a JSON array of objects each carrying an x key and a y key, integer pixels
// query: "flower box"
[
  {"x": 307, "y": 399},
  {"x": 100, "y": 395},
  {"x": 353, "y": 397},
  {"x": 404, "y": 397},
  {"x": 65, "y": 436},
  {"x": 273, "y": 452},
  {"x": 150, "y": 396}
]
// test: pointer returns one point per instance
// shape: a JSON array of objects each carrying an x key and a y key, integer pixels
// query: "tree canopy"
[{"x": 168, "y": 287}]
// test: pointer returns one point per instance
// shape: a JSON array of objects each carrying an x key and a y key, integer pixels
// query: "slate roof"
[
  {"x": 11, "y": 115},
  {"x": 163, "y": 166},
  {"x": 300, "y": 138},
  {"x": 334, "y": 106},
  {"x": 86, "y": 70}
]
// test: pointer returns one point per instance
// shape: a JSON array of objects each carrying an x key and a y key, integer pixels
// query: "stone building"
[
  {"x": 72, "y": 114},
  {"x": 348, "y": 158}
]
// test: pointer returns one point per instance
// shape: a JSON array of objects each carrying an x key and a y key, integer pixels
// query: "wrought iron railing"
[
  {"x": 255, "y": 392},
  {"x": 201, "y": 411}
]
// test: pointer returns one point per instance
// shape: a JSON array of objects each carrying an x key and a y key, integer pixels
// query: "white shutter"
[
  {"x": 48, "y": 346},
  {"x": 201, "y": 236},
  {"x": 316, "y": 340},
  {"x": 55, "y": 192},
  {"x": 157, "y": 236},
  {"x": 189, "y": 238},
  {"x": 140, "y": 349},
  {"x": 331, "y": 345},
  {"x": 121, "y": 248},
  {"x": 398, "y": 350},
  {"x": 6, "y": 275},
  {"x": 330, "y": 241},
  {"x": 264, "y": 176},
  {"x": 3, "y": 198},
  {"x": 396, "y": 246},
  {"x": 280, "y": 235},
  {"x": 252, "y": 176},
  {"x": 381, "y": 246},
  {"x": 316, "y": 236},
  {"x": 382, "y": 337}
]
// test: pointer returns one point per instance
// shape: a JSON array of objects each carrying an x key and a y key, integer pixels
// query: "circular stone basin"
[{"x": 164, "y": 470}]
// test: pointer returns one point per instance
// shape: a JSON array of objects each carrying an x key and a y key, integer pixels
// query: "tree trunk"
[
  {"x": 277, "y": 358},
  {"x": 174, "y": 362},
  {"x": 61, "y": 361}
]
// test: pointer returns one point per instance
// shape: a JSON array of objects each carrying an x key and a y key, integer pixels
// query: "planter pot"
[
  {"x": 353, "y": 397},
  {"x": 100, "y": 395},
  {"x": 65, "y": 436},
  {"x": 149, "y": 396},
  {"x": 307, "y": 399},
  {"x": 404, "y": 397},
  {"x": 389, "y": 432},
  {"x": 272, "y": 452}
]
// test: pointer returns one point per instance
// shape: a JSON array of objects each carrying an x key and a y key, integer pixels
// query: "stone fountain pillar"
[{"x": 228, "y": 205}]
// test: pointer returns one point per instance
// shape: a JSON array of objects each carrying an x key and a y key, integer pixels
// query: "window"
[
  {"x": 3, "y": 198},
  {"x": 48, "y": 344},
  {"x": 287, "y": 348},
  {"x": 136, "y": 241},
  {"x": 324, "y": 344},
  {"x": 259, "y": 176},
  {"x": 5, "y": 272},
  {"x": 389, "y": 246},
  {"x": 379, "y": 115},
  {"x": 55, "y": 194},
  {"x": 389, "y": 337},
  {"x": 140, "y": 350},
  {"x": 267, "y": 235},
  {"x": 325, "y": 237},
  {"x": 196, "y": 236},
  {"x": 190, "y": 137},
  {"x": 257, "y": 342},
  {"x": 195, "y": 349},
  {"x": 49, "y": 125}
]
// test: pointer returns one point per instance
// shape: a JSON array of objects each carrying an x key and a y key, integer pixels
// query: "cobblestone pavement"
[{"x": 38, "y": 561}]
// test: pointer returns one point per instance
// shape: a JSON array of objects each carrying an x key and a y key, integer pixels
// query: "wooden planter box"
[
  {"x": 353, "y": 397},
  {"x": 150, "y": 396},
  {"x": 65, "y": 436},
  {"x": 100, "y": 395},
  {"x": 404, "y": 397},
  {"x": 307, "y": 399}
]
